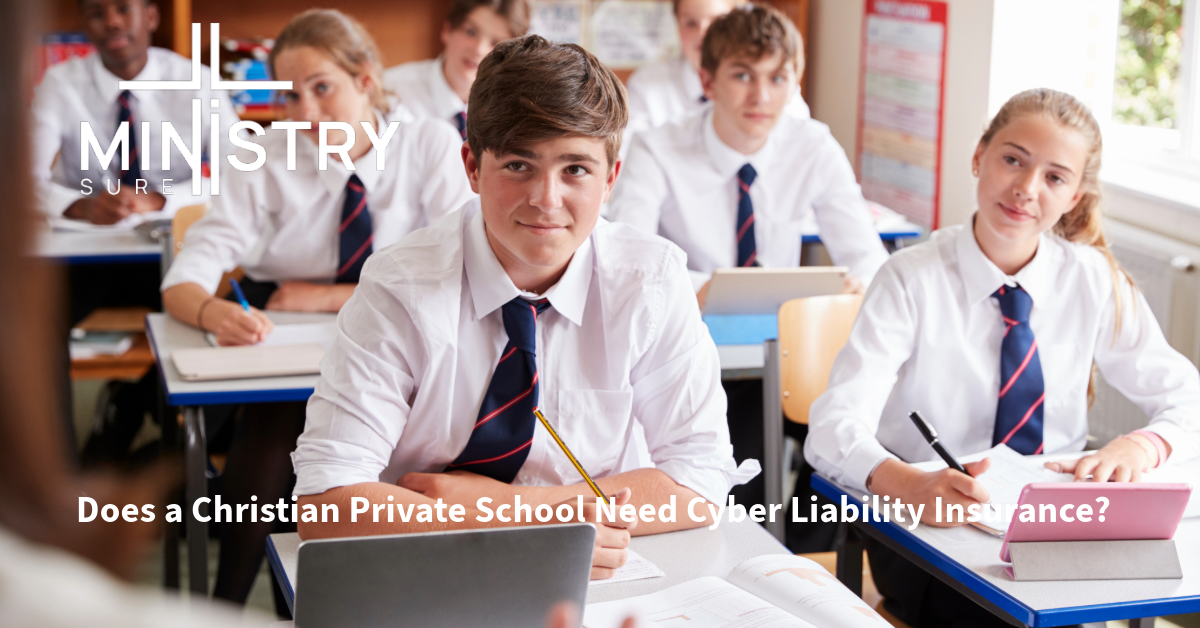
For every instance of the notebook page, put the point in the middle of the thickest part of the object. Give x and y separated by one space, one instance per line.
701 603
638 567
297 334
806 590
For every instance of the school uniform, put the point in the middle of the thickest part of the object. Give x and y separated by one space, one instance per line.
423 89
683 183
616 356
312 225
667 91
83 90
943 330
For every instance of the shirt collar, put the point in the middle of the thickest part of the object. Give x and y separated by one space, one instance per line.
727 160
443 94
491 287
107 83
981 277
335 176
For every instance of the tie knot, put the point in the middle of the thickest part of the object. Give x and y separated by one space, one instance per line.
124 97
355 184
520 322
1015 303
747 174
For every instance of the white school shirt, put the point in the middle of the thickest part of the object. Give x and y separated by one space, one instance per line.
83 90
668 91
680 181
283 225
928 338
627 372
423 89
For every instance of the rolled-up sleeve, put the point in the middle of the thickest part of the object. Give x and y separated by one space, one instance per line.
360 406
678 398
1141 365
843 421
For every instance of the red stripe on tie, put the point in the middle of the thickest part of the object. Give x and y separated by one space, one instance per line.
1001 290
354 186
1026 418
1009 320
527 444
1039 449
750 260
357 254
506 406
507 355
1020 369
354 214
745 188
745 226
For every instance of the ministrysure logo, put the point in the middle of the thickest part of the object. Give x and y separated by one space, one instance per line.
90 144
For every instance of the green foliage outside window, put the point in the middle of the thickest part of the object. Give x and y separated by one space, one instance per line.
1149 50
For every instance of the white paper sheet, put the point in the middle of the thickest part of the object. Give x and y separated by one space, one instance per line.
702 603
636 568
298 334
805 589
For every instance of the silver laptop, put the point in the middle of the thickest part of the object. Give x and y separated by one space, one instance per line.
493 578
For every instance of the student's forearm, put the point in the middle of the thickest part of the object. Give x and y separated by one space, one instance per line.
378 493
650 486
184 302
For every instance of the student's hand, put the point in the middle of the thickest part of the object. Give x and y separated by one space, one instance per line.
239 327
853 285
1122 460
457 487
148 202
101 209
900 479
702 296
612 537
566 615
304 296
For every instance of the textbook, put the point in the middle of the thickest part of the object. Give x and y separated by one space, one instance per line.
771 591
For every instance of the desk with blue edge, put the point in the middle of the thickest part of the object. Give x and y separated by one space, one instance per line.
968 561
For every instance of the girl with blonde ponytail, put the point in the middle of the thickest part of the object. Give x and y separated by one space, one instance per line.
990 329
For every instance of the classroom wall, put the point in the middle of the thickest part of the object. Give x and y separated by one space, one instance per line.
836 33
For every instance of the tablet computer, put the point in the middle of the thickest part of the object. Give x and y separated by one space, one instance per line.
1116 511
499 577
763 290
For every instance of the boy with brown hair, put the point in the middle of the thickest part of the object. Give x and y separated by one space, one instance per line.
439 88
524 299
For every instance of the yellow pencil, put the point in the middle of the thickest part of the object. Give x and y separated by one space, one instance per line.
578 467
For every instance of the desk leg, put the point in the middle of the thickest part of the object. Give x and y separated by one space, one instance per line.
1143 622
197 487
773 467
168 446
849 558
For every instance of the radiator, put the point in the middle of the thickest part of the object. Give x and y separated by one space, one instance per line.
1165 271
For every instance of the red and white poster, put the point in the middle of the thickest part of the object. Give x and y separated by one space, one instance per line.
901 96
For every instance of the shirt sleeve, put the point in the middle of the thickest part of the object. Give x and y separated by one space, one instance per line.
843 421
1140 364
843 217
443 185
639 112
641 189
678 398
47 140
359 408
219 241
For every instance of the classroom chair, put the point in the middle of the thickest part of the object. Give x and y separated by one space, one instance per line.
796 371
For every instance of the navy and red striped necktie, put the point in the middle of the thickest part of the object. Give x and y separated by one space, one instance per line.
1022 389
460 123
125 114
355 234
747 250
504 429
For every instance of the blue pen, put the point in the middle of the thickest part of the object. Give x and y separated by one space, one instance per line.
237 289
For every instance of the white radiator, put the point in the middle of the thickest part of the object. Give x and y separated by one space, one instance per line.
1165 271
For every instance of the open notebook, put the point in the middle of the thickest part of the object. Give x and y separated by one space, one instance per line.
1010 472
289 350
771 591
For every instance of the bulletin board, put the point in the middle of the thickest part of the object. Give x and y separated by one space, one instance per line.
901 98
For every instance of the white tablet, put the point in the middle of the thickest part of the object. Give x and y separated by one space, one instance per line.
764 290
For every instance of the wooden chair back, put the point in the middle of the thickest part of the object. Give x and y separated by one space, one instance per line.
811 333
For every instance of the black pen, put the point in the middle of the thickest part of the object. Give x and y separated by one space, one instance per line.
931 436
